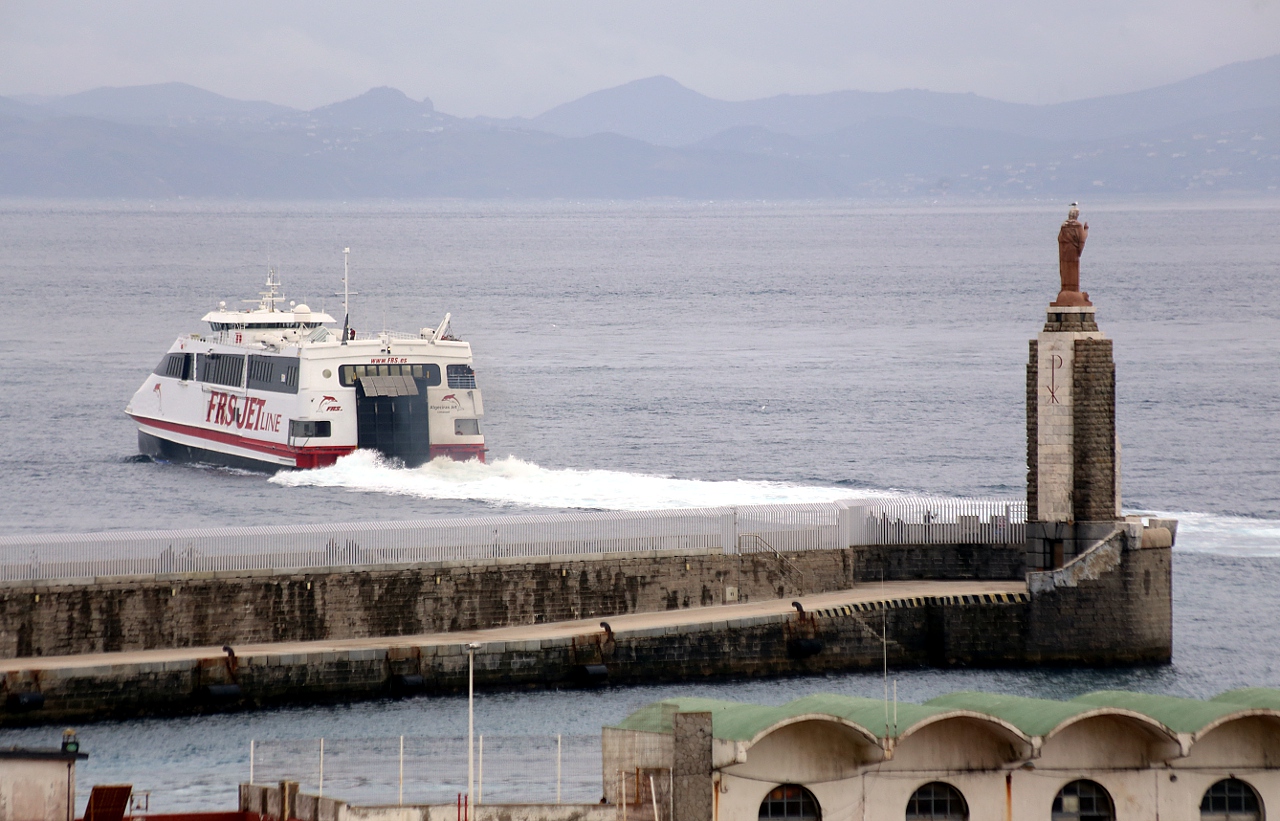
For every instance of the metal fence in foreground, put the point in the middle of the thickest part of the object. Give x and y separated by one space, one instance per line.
746 529
433 770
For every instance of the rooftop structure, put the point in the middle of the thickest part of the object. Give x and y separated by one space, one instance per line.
1104 755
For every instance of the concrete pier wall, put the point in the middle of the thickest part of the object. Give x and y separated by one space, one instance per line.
202 609
1111 609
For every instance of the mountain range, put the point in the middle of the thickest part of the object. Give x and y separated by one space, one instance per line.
1218 131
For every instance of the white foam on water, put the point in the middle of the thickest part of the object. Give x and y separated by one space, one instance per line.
1224 535
512 482
515 483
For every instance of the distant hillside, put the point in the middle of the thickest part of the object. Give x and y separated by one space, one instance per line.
168 104
652 138
660 110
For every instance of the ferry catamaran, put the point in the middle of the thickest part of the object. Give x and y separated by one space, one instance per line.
270 388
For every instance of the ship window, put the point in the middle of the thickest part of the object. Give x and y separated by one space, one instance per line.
220 368
466 427
461 376
175 365
273 373
1230 800
348 374
299 429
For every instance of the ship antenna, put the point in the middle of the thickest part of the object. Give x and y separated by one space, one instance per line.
272 295
347 293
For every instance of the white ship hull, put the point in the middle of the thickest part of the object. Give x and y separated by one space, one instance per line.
271 389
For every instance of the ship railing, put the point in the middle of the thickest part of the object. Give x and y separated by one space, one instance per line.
784 528
403 336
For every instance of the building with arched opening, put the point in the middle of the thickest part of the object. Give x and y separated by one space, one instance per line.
1106 756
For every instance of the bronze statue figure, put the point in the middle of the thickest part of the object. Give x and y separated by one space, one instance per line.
1070 245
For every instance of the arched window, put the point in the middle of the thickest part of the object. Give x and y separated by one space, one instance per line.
792 802
1230 800
1083 801
937 801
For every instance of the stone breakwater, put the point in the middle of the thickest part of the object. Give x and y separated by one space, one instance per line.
248 607
1112 607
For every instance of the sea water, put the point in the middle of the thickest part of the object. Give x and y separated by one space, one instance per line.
648 355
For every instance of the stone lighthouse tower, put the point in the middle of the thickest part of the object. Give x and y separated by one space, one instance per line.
1073 455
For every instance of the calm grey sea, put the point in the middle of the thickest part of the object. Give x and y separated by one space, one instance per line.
651 354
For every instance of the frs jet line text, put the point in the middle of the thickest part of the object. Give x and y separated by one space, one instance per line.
241 412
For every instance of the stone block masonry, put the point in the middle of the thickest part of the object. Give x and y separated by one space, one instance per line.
1110 607
1096 497
873 563
248 607
1073 459
691 769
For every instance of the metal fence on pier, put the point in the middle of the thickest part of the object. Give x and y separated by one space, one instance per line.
745 529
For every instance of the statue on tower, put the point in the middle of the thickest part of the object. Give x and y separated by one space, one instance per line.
1070 245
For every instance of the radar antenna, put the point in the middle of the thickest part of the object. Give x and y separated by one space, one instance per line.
272 295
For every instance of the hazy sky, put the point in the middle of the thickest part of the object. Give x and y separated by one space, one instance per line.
506 57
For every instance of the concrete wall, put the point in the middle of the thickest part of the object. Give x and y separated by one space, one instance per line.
1111 607
36 790
267 801
1115 605
212 609
1145 776
871 563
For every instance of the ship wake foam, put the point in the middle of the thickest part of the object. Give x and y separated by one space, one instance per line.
512 482
1225 535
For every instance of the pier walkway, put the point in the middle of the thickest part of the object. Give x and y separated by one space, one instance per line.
621 625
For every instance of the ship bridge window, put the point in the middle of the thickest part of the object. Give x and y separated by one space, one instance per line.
299 429
220 368
461 376
348 374
175 365
273 373
262 326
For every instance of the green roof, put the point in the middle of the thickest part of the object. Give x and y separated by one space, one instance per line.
1182 715
1252 697
736 721
1033 716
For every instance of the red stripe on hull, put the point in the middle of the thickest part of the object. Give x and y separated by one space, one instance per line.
309 457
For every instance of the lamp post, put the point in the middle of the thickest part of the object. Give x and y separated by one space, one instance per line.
471 723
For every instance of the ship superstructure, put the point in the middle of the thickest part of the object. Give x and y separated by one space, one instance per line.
271 388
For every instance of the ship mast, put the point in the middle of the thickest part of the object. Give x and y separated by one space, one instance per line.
347 293
272 295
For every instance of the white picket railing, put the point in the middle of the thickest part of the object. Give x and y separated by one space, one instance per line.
780 528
